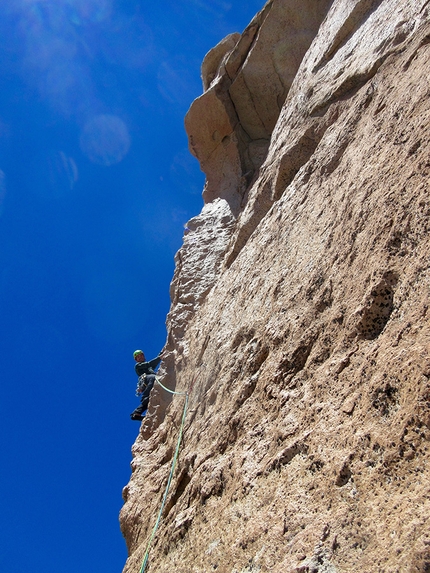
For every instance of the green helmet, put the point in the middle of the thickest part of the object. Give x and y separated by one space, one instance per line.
136 353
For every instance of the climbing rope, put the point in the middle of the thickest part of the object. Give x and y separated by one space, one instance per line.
169 481
170 391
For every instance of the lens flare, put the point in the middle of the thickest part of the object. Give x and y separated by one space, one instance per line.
105 140
57 43
62 173
176 83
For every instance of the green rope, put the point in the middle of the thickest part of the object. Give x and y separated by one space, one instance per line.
170 391
169 481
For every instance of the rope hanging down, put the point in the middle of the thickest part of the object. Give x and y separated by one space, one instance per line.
170 391
169 481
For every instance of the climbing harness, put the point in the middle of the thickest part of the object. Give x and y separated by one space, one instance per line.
141 385
172 469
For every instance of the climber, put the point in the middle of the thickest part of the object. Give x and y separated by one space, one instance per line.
145 371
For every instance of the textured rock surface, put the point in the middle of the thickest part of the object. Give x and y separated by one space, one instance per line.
301 300
246 80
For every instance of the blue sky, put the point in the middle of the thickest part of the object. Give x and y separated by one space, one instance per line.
96 183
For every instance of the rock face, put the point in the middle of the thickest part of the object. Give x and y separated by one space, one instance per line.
246 80
300 306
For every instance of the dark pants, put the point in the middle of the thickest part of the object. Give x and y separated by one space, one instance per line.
138 413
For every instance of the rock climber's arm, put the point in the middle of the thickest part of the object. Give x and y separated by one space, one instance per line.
154 362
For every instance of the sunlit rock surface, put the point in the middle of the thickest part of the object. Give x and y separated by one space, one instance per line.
246 80
300 302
